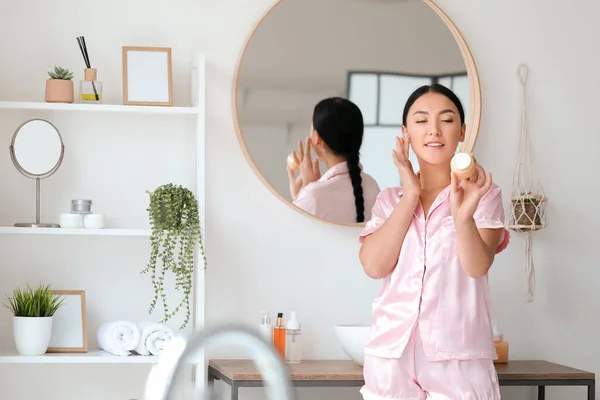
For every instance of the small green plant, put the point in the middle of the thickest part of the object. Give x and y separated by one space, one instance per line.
174 219
61 73
34 302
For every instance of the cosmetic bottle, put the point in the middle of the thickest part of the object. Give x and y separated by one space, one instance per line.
293 342
279 335
462 165
266 328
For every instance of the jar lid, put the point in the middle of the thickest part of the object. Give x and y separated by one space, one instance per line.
81 202
70 216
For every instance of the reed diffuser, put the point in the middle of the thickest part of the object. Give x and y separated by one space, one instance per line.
90 88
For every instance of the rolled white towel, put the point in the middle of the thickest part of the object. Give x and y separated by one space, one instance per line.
118 337
154 338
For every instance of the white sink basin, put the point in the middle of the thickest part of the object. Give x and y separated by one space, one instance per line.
353 339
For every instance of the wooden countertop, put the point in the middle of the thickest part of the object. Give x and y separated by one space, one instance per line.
347 370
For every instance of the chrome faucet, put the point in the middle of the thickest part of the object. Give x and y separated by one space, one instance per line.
160 381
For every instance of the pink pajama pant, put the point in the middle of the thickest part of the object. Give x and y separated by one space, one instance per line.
413 377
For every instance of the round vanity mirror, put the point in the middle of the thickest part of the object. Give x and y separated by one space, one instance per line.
37 151
306 58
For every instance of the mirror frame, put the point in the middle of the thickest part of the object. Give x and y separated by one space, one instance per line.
473 123
18 165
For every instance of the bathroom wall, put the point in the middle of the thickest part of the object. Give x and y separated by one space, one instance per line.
264 255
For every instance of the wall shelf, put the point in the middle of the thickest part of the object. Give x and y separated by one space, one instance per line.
30 105
91 357
78 231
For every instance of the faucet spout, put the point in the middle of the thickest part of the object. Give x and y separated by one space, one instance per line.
160 381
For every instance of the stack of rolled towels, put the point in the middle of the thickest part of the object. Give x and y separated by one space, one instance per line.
124 338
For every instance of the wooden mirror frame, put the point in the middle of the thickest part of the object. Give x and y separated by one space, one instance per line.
473 122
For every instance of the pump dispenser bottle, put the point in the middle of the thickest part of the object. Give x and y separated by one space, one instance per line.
266 328
293 342
279 335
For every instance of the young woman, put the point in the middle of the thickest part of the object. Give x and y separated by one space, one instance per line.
344 194
432 241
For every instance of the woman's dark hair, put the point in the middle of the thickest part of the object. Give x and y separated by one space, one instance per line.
433 88
339 122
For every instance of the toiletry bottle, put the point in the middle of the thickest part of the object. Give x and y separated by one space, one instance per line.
266 328
279 335
462 165
293 342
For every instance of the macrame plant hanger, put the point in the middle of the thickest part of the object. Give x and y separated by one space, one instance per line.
527 207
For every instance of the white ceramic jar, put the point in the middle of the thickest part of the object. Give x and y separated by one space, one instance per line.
70 221
93 221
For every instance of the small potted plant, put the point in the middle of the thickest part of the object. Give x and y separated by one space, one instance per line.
59 88
527 211
175 223
33 312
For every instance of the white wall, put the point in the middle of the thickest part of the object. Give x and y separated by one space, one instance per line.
298 263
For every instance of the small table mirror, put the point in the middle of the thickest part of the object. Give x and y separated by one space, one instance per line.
37 151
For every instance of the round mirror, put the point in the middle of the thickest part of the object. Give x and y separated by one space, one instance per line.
372 53
37 151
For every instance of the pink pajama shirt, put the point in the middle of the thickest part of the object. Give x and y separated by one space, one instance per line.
431 332
331 197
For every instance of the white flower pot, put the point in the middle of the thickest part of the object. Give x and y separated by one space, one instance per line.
32 335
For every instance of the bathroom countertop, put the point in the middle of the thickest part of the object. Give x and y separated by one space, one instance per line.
346 370
307 370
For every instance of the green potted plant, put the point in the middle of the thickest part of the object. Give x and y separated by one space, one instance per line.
527 211
175 225
33 312
59 88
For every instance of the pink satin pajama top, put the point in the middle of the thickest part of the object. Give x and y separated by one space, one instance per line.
332 196
428 284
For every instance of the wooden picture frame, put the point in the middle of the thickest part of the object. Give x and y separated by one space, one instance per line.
147 76
69 327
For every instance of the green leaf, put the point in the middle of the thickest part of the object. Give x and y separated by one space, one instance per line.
34 302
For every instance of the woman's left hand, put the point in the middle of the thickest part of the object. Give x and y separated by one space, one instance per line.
466 193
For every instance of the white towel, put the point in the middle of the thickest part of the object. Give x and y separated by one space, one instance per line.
118 337
154 338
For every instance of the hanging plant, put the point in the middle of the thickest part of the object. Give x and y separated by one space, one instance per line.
175 224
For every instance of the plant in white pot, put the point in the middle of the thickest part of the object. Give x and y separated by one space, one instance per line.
33 312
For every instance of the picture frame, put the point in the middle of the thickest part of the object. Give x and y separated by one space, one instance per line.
69 325
147 76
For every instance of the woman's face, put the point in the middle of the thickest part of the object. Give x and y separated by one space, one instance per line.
434 126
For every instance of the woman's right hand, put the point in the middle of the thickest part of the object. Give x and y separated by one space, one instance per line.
410 181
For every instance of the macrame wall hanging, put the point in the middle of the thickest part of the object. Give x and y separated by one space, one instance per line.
527 207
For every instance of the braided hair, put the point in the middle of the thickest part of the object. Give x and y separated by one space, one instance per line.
339 123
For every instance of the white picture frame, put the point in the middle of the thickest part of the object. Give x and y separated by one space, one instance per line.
69 326
147 76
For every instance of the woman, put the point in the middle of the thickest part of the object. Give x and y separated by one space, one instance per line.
432 241
344 194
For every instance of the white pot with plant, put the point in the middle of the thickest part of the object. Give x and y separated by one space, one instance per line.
33 311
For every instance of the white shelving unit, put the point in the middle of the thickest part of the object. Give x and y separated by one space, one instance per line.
113 108
81 231
91 357
196 111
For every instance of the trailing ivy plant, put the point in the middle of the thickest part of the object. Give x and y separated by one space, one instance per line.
175 224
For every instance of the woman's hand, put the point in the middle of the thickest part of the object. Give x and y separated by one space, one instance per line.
410 181
309 169
466 193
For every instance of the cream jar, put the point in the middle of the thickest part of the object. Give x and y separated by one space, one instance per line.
70 220
81 206
462 165
93 221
